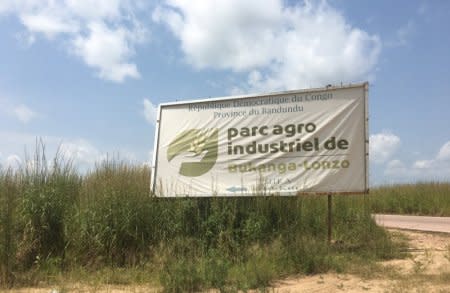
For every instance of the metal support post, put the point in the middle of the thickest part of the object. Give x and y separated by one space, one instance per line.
330 223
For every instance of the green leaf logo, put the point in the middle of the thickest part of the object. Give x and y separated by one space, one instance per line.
201 142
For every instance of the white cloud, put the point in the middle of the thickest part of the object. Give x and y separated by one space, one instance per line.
395 169
25 39
85 155
49 25
382 146
7 6
395 164
402 35
96 9
107 50
149 161
81 151
150 111
24 113
434 169
13 162
444 152
21 112
103 33
423 164
280 46
224 33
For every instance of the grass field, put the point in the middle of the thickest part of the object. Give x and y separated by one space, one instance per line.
105 227
431 198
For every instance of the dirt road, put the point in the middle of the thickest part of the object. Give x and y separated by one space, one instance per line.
433 224
427 269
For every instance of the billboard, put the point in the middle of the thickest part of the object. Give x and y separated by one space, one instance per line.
286 143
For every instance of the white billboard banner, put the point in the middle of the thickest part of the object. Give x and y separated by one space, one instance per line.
307 141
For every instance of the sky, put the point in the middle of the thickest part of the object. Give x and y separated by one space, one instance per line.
86 76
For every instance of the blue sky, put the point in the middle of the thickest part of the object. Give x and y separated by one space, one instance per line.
87 75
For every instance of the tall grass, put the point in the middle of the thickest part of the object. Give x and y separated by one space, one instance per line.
114 216
56 221
8 203
48 192
431 198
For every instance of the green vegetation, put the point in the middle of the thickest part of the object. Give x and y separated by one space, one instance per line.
431 199
104 226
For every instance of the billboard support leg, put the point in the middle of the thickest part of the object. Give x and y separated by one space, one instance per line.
329 219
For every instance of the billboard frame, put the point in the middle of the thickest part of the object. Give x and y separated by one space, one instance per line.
364 85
